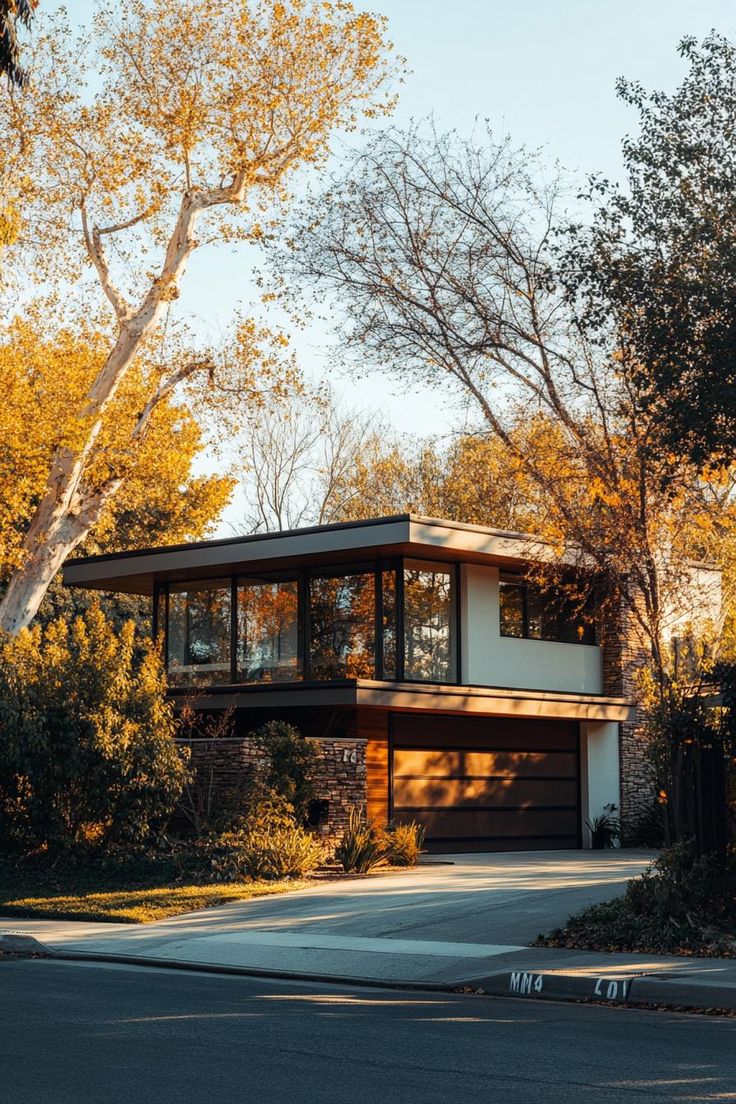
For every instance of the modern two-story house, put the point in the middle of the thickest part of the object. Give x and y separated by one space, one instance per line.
439 684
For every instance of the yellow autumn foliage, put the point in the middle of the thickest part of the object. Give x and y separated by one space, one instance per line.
161 129
42 384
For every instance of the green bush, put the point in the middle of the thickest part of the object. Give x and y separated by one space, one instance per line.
679 905
289 762
270 844
404 844
362 847
88 760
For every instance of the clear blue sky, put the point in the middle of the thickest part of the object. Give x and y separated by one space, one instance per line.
542 70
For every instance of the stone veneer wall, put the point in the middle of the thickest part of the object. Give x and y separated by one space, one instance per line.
340 778
623 657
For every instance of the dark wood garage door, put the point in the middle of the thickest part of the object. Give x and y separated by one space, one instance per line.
487 784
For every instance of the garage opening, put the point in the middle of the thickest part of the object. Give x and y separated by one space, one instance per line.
487 783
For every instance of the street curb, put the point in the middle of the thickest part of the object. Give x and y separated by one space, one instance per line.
631 991
233 971
20 943
536 985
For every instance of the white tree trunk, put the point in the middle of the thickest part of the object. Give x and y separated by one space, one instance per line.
68 510
29 583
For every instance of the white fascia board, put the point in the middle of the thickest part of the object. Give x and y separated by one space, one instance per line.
236 553
478 540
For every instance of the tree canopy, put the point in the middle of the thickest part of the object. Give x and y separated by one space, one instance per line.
656 270
185 127
439 259
42 381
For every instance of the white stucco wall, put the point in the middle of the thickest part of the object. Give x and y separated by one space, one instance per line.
696 604
599 770
488 659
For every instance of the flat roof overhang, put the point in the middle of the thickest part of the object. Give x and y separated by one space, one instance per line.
137 572
421 697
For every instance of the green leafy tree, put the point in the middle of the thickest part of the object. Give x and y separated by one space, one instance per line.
288 765
88 759
656 271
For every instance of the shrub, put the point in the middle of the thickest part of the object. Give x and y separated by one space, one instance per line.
649 830
362 847
208 807
270 844
88 759
674 907
404 844
289 763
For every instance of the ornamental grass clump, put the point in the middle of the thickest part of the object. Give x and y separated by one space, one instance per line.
362 847
404 843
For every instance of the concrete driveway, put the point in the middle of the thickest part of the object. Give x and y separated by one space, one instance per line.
442 921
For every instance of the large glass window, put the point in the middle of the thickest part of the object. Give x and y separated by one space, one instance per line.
529 612
389 663
268 630
388 621
429 622
342 620
199 633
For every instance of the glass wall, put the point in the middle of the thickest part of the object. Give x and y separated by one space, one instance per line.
388 621
429 622
342 626
198 648
268 630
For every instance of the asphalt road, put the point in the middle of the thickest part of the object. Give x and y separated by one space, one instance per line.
92 1034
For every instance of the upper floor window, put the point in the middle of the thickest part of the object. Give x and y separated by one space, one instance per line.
529 613
389 621
429 622
199 632
268 630
342 626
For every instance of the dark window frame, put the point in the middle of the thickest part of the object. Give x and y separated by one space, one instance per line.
377 567
454 571
342 573
589 637
163 590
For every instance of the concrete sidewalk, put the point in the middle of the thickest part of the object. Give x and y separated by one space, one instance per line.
463 921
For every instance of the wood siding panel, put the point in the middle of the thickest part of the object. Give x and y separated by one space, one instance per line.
373 727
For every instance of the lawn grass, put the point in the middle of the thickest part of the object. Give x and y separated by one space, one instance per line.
139 906
86 896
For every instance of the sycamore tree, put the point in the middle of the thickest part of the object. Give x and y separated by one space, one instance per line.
42 384
193 119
